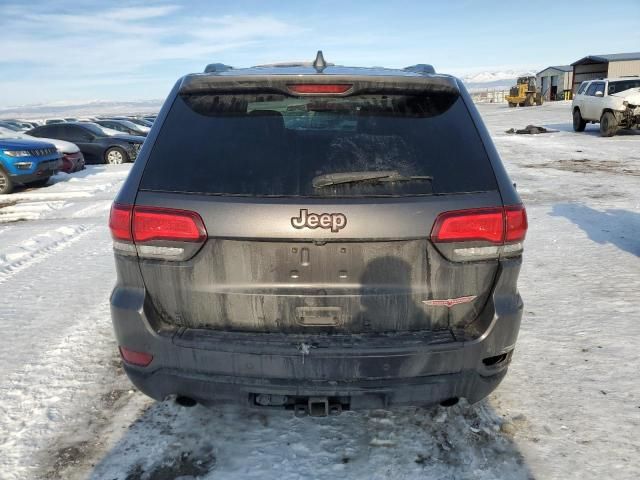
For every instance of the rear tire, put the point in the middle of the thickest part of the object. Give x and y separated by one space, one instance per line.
578 122
6 184
539 99
115 156
528 101
608 124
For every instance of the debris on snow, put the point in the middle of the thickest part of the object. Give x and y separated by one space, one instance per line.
531 130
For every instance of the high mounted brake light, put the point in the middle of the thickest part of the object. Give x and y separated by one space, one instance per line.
494 231
319 88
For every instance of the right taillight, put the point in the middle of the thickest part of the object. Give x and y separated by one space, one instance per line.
515 223
480 234
155 232
482 224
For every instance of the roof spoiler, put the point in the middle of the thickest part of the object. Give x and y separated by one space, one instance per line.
421 69
217 68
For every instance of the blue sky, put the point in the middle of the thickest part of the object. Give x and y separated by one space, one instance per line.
61 50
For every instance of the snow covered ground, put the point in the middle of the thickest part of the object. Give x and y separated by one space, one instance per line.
568 409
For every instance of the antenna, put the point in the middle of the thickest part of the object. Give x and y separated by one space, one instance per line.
319 64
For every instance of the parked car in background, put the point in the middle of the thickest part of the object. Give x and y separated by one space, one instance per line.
97 144
328 241
138 121
19 124
26 162
614 103
124 126
72 158
9 125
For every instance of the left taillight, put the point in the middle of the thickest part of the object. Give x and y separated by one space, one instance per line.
151 223
120 222
155 232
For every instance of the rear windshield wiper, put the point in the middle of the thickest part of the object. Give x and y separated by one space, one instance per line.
328 179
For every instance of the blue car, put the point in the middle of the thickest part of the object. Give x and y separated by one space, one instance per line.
26 162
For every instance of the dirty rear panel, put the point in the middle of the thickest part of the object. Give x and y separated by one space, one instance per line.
298 284
284 256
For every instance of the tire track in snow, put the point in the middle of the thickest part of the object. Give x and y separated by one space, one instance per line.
57 391
16 258
61 359
93 210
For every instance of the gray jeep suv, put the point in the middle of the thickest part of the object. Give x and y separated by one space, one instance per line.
317 238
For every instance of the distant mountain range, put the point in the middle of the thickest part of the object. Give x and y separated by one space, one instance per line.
498 79
81 109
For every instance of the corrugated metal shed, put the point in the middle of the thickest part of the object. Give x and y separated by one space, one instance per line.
605 66
554 80
610 57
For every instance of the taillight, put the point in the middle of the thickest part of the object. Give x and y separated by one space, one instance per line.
141 359
151 223
120 222
516 223
155 232
316 88
486 224
476 234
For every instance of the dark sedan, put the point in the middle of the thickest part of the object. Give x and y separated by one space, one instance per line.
124 126
97 144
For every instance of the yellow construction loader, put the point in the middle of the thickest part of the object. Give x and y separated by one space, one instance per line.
525 93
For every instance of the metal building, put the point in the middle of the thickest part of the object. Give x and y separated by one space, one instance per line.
555 82
605 66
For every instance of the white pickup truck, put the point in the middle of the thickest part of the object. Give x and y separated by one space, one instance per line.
612 102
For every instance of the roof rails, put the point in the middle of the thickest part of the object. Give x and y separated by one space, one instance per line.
217 68
421 69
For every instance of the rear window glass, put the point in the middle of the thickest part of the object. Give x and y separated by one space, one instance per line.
276 145
621 86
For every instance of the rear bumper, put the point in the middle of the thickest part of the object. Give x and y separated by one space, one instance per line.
363 371
418 391
72 163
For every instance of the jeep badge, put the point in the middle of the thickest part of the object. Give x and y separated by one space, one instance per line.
333 221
